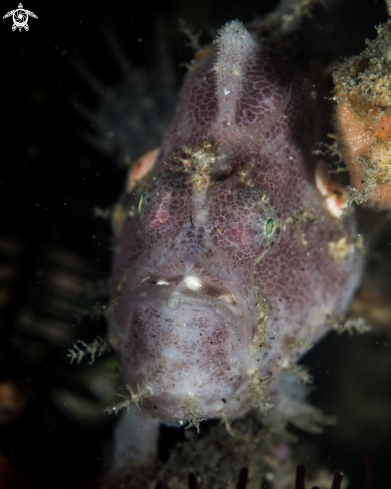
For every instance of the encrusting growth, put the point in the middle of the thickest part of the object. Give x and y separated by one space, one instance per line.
363 119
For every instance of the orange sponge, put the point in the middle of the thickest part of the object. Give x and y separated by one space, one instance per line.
363 119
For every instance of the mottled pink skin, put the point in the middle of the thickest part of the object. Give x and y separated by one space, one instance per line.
217 232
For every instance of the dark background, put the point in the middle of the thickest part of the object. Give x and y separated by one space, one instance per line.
51 179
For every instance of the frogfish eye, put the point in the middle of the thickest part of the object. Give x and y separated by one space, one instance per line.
270 227
140 204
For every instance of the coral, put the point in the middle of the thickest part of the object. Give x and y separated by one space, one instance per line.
216 459
363 119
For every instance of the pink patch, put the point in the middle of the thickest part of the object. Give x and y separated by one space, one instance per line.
162 213
280 451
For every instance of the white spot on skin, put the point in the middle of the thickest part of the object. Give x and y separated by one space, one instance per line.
228 298
192 282
285 363
162 282
226 92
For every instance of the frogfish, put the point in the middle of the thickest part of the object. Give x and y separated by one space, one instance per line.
233 253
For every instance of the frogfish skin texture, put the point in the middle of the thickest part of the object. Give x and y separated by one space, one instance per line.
228 265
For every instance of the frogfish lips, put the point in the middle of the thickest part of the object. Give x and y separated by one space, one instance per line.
182 339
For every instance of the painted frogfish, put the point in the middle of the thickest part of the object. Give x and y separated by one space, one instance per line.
233 254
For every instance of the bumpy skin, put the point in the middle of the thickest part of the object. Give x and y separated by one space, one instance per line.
223 272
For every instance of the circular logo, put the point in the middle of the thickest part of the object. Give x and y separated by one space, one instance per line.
20 19
20 16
